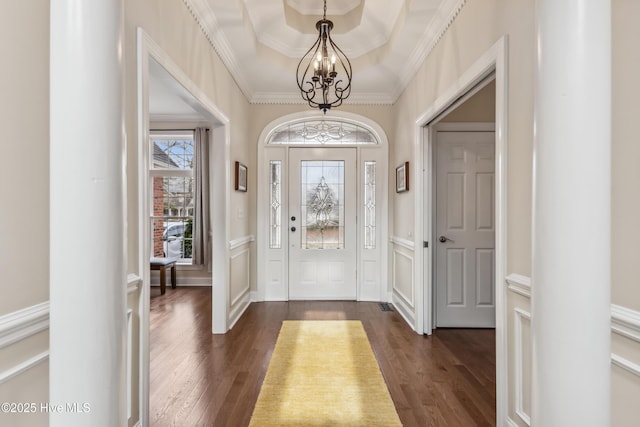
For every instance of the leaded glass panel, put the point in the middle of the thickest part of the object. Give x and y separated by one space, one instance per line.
322 204
370 205
323 132
275 187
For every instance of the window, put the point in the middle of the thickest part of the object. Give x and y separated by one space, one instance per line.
173 191
275 182
322 198
322 132
370 205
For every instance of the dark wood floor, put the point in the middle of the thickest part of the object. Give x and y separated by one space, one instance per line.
200 379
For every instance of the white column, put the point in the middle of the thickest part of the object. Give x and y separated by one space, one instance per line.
571 215
87 244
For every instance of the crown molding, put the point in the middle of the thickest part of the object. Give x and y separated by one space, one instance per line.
206 20
295 98
448 12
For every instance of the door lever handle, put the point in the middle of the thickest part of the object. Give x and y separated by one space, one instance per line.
443 239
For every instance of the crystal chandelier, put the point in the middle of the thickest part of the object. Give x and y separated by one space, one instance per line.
319 82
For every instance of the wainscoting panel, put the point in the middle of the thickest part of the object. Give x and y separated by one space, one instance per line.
239 277
402 278
625 357
134 332
522 326
24 362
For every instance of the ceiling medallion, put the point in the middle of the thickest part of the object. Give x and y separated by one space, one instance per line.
324 72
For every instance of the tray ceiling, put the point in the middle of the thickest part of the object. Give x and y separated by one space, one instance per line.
261 41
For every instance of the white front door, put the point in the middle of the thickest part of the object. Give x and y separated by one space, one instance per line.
465 229
322 223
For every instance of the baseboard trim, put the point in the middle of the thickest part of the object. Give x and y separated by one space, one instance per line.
23 323
511 423
404 311
244 301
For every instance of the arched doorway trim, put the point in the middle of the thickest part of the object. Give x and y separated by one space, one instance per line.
369 141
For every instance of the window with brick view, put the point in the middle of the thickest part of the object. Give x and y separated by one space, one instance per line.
173 189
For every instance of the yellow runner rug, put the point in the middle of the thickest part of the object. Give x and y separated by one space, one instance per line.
323 373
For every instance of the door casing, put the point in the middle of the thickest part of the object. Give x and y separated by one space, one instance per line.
372 264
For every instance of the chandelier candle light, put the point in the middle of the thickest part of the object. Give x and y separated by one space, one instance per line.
318 80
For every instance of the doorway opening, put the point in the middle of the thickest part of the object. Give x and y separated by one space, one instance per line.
462 145
322 217
491 66
167 99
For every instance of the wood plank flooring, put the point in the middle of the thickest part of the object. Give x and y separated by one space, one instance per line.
200 379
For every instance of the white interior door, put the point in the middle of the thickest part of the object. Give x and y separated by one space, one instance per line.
465 229
322 223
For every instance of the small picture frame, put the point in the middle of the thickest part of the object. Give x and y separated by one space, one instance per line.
402 178
241 177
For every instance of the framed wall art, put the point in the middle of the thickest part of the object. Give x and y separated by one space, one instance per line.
402 178
241 177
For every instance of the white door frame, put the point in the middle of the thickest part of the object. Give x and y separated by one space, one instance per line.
220 200
272 264
493 60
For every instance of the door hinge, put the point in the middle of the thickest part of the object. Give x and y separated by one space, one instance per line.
425 244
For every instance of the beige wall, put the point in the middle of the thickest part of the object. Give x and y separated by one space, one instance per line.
24 209
480 108
626 153
625 207
24 112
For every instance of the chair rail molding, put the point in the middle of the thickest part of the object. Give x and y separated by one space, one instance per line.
407 244
241 241
519 284
133 283
625 322
23 323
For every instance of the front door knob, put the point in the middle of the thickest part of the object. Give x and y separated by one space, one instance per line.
443 239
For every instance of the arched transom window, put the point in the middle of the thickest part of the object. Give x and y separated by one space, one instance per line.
324 132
